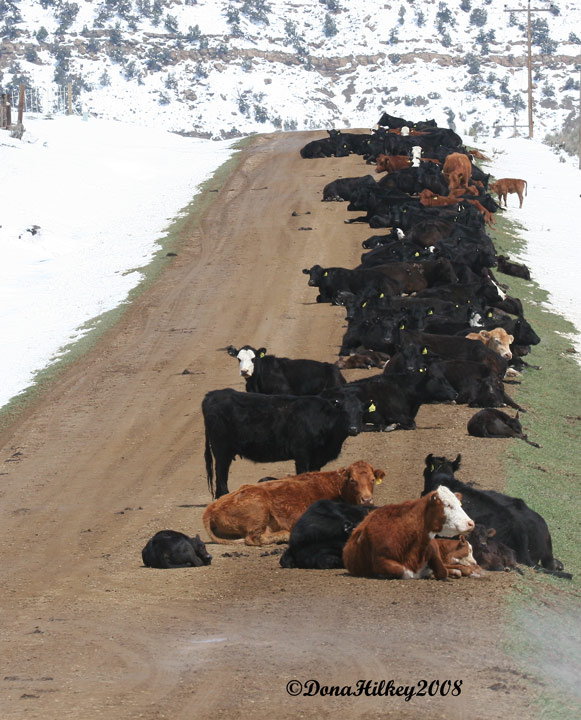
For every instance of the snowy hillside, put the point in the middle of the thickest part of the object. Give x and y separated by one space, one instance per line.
220 68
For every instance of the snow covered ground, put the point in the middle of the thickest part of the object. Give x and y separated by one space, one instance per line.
102 193
551 216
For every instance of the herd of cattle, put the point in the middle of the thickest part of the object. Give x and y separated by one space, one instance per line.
424 307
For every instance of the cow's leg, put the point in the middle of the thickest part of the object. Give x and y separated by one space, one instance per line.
435 561
223 462
268 537
520 198
386 567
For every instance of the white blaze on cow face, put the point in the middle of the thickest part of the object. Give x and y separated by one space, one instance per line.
405 131
455 519
246 362
475 320
499 290
400 233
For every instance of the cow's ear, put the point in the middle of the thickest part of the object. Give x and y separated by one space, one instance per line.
306 272
459 496
456 463
379 475
428 460
261 352
484 334
511 339
231 350
491 532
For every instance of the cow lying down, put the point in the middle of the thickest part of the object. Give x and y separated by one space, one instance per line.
493 423
172 549
265 513
319 536
397 541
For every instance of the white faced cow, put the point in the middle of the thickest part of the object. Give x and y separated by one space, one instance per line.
272 375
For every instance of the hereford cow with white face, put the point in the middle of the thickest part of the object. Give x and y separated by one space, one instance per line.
398 541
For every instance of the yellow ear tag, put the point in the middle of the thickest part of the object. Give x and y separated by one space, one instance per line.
262 354
457 306
371 407
379 481
364 304
325 274
435 197
468 301
430 312
381 295
422 370
489 314
425 351
416 254
432 467
402 327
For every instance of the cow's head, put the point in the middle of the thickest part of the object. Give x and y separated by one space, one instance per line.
316 274
247 357
498 340
200 549
439 470
444 514
349 405
359 480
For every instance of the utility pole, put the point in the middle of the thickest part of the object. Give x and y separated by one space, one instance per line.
579 121
528 11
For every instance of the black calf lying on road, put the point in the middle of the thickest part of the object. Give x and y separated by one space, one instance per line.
172 549
492 423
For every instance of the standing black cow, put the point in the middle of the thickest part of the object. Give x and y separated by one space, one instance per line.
266 428
272 375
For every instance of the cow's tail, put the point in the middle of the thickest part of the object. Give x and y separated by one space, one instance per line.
209 464
526 185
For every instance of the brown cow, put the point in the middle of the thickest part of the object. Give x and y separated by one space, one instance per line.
457 170
266 513
458 558
497 339
397 541
391 163
504 186
430 199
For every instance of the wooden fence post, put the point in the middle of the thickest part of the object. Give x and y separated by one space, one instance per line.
21 104
70 99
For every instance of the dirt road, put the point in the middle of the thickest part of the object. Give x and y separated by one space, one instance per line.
113 452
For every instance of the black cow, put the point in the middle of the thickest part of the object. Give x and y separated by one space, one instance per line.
272 375
332 280
509 267
326 147
266 428
392 401
344 188
452 347
519 527
491 554
491 423
318 537
172 549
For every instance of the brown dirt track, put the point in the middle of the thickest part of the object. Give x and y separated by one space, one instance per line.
113 451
